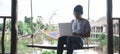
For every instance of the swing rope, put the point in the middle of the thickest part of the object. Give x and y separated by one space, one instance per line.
88 9
31 19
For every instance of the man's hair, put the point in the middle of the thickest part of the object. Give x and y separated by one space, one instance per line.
78 9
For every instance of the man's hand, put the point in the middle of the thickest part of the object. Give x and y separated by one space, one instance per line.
75 34
87 34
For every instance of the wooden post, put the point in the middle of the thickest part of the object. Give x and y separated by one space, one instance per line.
110 28
14 28
119 35
3 34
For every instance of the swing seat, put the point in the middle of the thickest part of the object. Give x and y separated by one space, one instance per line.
54 47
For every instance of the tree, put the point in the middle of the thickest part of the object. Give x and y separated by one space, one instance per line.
23 28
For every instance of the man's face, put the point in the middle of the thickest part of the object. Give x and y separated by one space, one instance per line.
77 15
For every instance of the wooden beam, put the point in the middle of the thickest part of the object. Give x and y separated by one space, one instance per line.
110 28
115 18
14 32
5 17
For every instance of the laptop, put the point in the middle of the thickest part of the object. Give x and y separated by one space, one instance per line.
65 29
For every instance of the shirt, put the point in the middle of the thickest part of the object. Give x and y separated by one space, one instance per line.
80 27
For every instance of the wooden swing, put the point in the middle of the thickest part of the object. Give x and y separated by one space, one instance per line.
54 47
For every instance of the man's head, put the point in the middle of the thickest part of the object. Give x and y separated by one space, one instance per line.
78 11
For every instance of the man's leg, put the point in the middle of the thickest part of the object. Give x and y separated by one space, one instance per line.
73 42
70 45
61 42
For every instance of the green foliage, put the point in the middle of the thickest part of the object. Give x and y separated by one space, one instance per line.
34 27
27 27
23 28
40 24
29 23
102 38
8 25
22 46
28 20
53 42
50 27
1 27
49 52
0 42
6 44
115 43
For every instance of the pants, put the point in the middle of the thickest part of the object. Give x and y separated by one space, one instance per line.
70 42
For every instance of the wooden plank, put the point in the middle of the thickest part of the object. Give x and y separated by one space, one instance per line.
54 47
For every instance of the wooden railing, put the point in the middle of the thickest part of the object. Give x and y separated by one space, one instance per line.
119 30
3 32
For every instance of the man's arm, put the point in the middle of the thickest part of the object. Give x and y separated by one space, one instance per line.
87 30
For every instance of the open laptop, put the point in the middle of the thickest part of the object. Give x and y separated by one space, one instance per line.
65 29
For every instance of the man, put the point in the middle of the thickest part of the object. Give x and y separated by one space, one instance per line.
80 29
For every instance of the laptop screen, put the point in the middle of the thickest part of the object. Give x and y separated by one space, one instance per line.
65 29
